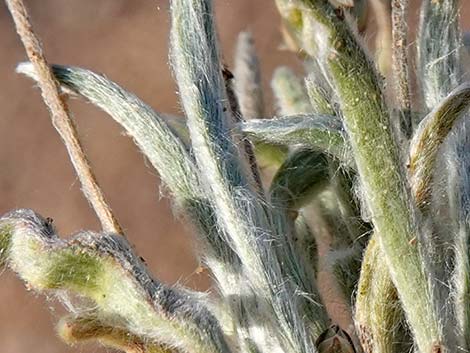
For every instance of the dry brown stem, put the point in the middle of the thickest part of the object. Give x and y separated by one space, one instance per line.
400 61
61 118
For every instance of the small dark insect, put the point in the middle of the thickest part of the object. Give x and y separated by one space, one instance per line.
335 339
339 12
228 75
48 223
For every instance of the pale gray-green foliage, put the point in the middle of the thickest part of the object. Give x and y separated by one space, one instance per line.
103 269
290 93
424 152
428 137
459 201
370 132
319 95
163 149
439 49
323 132
153 135
341 171
304 174
244 219
248 78
376 146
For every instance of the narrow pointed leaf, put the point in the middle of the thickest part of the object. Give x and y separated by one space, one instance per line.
154 134
458 164
75 329
302 177
248 78
289 91
240 212
429 137
439 46
321 132
155 138
104 269
379 317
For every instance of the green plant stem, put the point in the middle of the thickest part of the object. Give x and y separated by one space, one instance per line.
375 150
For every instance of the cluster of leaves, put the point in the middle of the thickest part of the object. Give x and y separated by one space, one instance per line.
342 225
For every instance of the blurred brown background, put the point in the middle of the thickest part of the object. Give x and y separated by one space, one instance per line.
128 41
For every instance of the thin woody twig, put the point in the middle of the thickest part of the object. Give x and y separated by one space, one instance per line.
400 62
60 117
383 41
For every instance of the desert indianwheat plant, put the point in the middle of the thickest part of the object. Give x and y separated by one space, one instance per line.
341 225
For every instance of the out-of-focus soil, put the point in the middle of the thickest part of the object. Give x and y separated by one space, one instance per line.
128 41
